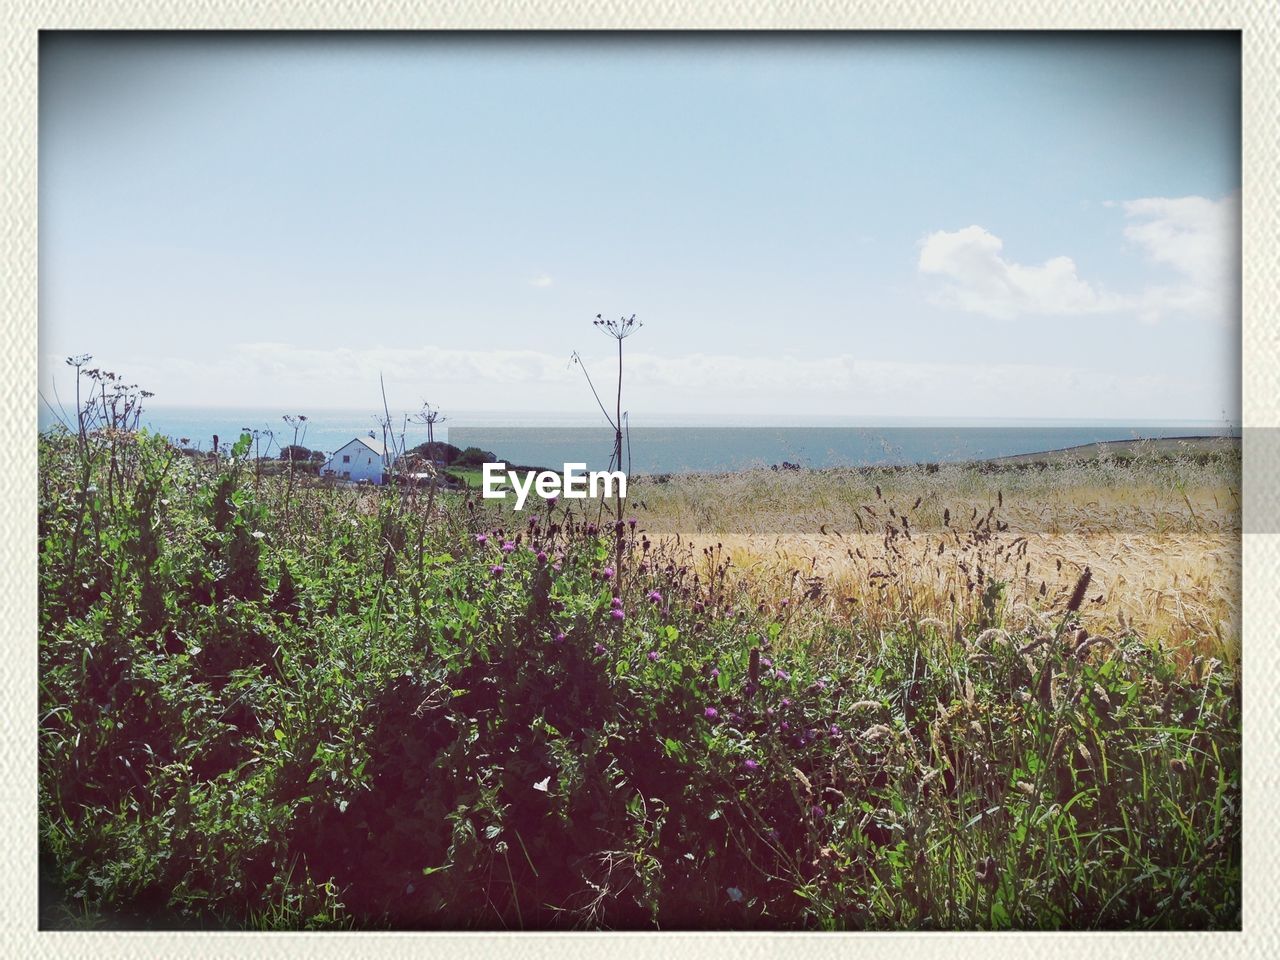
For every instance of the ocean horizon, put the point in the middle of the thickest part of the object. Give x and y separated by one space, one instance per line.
673 443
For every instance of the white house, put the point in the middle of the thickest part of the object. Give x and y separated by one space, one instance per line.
361 458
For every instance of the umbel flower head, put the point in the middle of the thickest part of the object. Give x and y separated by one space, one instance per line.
619 329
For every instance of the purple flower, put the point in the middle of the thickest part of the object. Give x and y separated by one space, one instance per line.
542 556
653 655
821 684
698 606
608 573
786 701
784 602
551 500
632 522
591 529
835 730
616 603
715 672
617 614
766 662
784 726
508 546
533 521
655 597
782 674
817 811
750 765
711 713
599 648
560 637
496 570
481 539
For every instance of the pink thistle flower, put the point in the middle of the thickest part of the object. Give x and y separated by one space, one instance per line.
481 539
560 637
496 569
508 547
655 597
711 713
608 573
653 656
751 766
618 614
599 648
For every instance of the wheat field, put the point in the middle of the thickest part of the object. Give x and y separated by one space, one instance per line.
1159 535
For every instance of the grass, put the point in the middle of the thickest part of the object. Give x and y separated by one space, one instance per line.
290 705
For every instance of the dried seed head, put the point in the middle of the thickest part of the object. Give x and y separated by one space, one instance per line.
1077 595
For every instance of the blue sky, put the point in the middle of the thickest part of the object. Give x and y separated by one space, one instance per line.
1042 225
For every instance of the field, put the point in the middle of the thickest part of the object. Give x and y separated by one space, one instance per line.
964 698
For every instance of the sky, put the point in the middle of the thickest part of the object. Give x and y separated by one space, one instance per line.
1036 225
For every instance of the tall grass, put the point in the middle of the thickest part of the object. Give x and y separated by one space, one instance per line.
272 702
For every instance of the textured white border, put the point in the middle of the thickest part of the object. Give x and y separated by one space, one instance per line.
22 19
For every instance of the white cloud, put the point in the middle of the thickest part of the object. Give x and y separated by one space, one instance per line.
293 378
978 279
1195 239
1199 241
542 280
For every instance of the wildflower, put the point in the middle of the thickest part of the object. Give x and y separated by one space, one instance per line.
784 602
599 648
821 684
496 569
653 656
786 701
616 603
715 673
631 522
750 765
698 606
481 539
542 556
655 597
258 534
560 637
618 614
817 811
591 529
782 674
784 726
551 500
508 546
608 573
835 730
711 713
766 662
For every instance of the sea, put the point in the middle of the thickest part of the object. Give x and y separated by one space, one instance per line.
671 443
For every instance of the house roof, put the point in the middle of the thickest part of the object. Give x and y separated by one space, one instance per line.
372 444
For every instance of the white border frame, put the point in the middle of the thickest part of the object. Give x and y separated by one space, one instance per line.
23 19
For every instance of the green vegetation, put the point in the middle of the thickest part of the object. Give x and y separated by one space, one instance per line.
272 702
